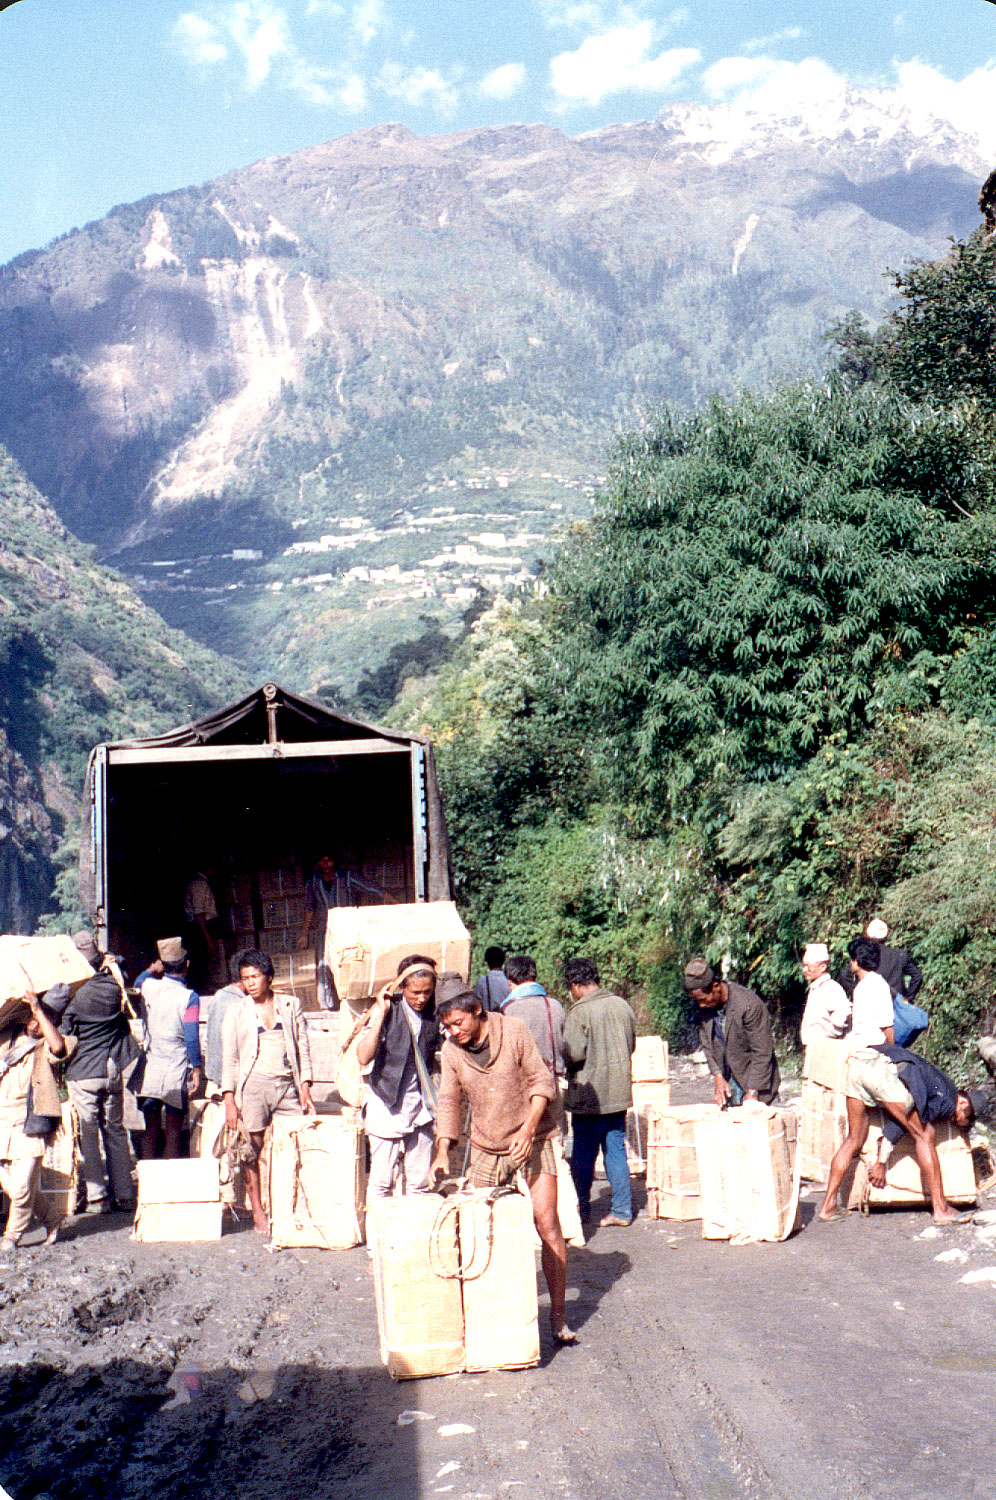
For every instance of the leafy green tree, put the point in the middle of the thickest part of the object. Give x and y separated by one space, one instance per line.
940 344
757 574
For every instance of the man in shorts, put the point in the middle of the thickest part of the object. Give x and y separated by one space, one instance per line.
913 1095
265 1063
493 1062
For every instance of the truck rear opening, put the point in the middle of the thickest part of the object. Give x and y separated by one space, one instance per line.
250 797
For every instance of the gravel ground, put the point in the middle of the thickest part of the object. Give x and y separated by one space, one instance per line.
853 1360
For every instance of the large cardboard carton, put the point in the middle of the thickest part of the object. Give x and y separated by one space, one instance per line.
749 1190
649 1063
822 1128
672 1165
37 964
500 1310
904 1183
419 1300
455 1283
364 944
826 1063
646 1098
317 1181
178 1200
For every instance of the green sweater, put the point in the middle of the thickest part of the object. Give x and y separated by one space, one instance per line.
599 1038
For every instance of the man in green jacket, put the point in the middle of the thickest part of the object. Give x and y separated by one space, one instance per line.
599 1038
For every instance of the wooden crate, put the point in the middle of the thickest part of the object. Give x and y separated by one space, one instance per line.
672 1166
748 1188
178 1200
826 1063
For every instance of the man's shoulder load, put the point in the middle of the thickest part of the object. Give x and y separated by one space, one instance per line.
455 1283
364 944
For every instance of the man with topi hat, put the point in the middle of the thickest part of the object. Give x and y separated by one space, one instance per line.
828 1009
170 1069
894 964
735 1035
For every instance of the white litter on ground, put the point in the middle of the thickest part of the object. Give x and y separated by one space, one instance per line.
956 1255
929 1234
984 1273
406 1418
455 1429
450 1468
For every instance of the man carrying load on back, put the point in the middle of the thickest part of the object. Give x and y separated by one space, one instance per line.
493 1062
913 1095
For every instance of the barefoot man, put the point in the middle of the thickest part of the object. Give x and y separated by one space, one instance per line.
912 1095
493 1062
265 1063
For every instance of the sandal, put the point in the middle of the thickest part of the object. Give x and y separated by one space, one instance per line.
838 1215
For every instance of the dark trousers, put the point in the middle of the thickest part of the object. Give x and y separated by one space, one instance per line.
605 1133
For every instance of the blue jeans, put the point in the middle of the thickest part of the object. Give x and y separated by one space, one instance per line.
605 1133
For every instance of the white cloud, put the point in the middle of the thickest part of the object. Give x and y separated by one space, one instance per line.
419 86
368 20
616 62
503 82
593 16
261 33
764 43
353 94
199 40
965 103
770 85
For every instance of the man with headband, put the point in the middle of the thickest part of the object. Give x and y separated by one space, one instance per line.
397 1051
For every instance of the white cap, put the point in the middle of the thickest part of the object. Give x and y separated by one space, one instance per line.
877 930
816 953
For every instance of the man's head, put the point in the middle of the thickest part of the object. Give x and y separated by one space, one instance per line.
877 930
463 1018
256 973
815 960
417 980
703 985
86 945
582 976
520 969
973 1104
494 957
173 955
325 866
865 955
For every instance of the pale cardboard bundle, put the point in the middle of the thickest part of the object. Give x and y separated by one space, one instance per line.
649 1063
317 1181
826 1063
455 1283
36 964
822 1128
60 1165
364 944
672 1165
294 974
749 1190
646 1097
903 1181
178 1200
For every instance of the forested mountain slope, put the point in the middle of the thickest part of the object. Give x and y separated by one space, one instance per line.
82 659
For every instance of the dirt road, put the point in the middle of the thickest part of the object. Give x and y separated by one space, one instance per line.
851 1361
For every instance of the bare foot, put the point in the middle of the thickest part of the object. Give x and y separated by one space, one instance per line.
563 1335
261 1223
53 1233
954 1217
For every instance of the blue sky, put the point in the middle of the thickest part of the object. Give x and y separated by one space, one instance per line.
105 101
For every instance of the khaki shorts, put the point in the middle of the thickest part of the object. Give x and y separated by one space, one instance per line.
488 1170
262 1098
873 1079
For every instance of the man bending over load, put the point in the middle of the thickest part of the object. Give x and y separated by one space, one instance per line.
265 1063
913 1095
493 1062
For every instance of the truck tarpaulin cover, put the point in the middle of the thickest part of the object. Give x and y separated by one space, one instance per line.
271 714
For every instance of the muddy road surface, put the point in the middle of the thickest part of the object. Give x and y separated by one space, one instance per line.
853 1360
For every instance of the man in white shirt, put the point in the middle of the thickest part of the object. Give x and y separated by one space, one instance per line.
828 1009
872 1014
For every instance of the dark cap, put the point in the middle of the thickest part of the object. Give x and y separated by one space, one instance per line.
86 945
449 985
698 975
982 1103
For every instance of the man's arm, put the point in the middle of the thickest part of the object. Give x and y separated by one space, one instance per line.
54 1040
304 1060
448 1102
521 1143
369 1040
575 1043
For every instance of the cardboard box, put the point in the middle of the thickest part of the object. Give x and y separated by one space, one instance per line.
672 1166
748 1188
904 1183
364 944
649 1063
821 1130
826 1063
285 880
317 1181
500 1309
37 964
178 1200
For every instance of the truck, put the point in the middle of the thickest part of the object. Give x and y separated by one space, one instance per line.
249 798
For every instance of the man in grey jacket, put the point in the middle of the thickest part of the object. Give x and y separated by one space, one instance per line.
735 1035
599 1039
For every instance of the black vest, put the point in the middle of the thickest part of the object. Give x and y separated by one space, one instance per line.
394 1050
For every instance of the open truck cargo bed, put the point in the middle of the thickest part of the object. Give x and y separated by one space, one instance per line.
250 796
